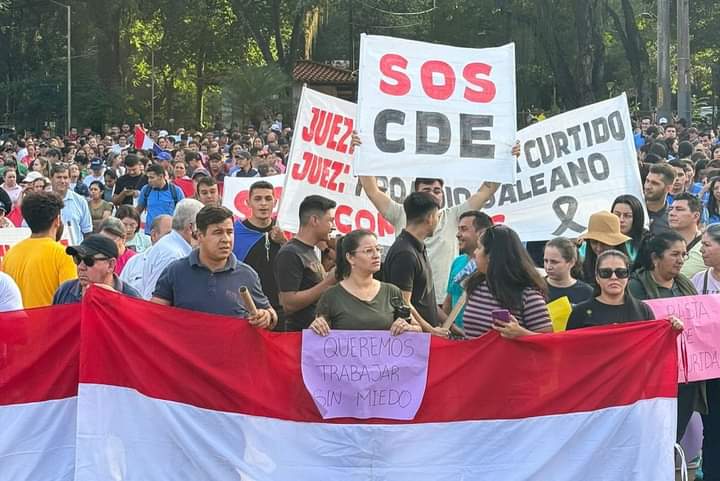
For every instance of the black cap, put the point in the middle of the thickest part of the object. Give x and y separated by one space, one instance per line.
94 244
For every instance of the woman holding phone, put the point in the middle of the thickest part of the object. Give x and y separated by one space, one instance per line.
506 293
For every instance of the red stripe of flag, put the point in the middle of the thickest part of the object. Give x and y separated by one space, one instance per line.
223 364
39 354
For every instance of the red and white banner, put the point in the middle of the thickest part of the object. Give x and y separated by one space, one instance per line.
320 162
39 362
168 394
430 110
236 192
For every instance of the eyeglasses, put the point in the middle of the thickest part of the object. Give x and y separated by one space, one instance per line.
89 261
606 273
679 254
369 251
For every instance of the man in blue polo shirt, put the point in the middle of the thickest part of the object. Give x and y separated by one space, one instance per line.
210 278
158 196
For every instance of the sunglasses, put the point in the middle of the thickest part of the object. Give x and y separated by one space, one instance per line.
89 261
620 273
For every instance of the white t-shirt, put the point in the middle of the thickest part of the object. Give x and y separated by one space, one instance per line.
442 247
10 297
713 285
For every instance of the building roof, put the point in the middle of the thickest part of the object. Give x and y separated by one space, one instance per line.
311 72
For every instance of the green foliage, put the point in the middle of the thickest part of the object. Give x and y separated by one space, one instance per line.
567 52
255 92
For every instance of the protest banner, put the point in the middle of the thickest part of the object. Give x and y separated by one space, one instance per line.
571 166
319 163
365 374
237 190
699 342
430 110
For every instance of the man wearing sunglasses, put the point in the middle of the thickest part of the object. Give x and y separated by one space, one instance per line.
95 259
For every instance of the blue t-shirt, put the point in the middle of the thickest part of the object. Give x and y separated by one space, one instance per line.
159 202
454 289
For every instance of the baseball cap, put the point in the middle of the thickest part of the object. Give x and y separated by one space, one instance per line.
92 245
163 156
662 121
32 177
112 225
96 164
200 171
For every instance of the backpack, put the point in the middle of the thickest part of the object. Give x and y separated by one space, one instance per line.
173 193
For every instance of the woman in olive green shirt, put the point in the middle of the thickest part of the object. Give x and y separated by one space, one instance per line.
358 301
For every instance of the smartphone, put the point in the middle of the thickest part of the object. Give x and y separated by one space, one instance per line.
501 315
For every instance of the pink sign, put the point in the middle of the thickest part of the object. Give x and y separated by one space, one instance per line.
366 374
700 341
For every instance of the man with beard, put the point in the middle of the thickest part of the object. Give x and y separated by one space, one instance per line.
39 264
471 226
658 184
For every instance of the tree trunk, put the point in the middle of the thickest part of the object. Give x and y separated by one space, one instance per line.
635 51
585 64
108 15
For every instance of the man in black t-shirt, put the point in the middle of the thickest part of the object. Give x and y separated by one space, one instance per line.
128 186
258 239
407 265
299 274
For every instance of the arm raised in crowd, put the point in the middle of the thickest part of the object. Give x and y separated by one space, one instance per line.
380 199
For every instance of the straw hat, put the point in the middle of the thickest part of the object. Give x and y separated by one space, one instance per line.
604 227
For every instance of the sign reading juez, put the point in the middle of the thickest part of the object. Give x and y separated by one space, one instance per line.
428 110
365 374
319 163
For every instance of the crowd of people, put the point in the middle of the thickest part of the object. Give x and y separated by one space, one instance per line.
150 224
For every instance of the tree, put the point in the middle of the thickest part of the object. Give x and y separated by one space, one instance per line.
255 92
278 27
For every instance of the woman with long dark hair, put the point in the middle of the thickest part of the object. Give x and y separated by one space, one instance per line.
657 275
506 293
631 214
358 300
713 203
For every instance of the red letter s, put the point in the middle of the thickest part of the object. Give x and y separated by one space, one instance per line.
486 92
388 65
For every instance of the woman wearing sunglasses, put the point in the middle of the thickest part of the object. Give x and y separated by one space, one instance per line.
358 300
611 303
